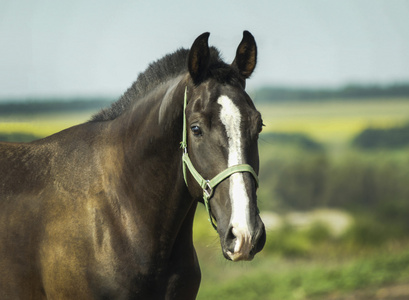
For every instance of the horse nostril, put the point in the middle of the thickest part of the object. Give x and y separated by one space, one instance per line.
230 235
230 240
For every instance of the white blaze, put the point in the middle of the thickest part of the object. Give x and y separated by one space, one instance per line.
231 119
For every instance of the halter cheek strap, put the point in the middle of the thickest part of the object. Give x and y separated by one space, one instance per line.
208 185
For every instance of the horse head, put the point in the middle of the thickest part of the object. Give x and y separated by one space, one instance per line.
222 129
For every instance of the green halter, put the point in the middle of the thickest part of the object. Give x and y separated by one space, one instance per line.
208 185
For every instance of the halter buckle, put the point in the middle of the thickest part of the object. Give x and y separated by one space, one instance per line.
208 190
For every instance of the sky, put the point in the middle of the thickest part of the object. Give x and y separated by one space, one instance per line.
56 48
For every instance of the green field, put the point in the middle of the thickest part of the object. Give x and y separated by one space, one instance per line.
311 165
334 121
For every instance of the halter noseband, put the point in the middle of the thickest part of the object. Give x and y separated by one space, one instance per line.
208 185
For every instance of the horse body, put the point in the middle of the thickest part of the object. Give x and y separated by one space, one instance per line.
101 210
76 208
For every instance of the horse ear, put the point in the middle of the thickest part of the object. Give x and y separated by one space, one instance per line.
199 57
246 55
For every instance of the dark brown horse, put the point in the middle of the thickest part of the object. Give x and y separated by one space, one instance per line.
102 211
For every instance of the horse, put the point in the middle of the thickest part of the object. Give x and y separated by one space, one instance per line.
104 209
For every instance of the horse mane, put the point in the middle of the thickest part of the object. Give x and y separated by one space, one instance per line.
170 66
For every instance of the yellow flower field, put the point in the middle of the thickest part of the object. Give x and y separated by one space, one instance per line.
42 124
334 121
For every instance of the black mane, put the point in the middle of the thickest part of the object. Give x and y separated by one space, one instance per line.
158 72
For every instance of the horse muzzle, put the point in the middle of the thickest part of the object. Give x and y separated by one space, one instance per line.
241 244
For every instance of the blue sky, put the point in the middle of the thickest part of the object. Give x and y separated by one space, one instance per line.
98 47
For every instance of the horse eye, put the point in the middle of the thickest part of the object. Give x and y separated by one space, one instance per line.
196 130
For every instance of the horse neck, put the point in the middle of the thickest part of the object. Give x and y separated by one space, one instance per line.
149 138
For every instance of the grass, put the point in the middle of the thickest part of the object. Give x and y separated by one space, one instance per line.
300 279
307 264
